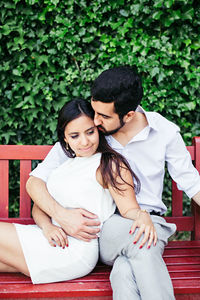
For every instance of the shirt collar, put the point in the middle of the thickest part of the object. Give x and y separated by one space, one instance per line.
150 117
141 135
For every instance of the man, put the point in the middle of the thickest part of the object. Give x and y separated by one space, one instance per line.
147 140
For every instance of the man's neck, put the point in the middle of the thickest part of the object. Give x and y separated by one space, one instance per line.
131 128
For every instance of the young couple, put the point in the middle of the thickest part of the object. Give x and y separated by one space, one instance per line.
76 184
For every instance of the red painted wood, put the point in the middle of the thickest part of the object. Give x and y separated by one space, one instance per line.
25 200
4 192
24 151
195 207
177 201
18 220
183 223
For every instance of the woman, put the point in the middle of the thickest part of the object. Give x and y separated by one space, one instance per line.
91 178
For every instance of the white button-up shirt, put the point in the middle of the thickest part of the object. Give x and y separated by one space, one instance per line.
158 143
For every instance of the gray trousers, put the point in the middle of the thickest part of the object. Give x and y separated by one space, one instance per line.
136 273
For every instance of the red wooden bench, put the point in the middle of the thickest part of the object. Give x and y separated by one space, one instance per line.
182 257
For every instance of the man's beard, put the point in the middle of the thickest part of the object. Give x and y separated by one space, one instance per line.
111 131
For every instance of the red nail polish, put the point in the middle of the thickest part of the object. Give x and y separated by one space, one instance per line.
134 242
67 245
140 247
130 231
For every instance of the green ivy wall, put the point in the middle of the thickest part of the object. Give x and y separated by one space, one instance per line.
52 50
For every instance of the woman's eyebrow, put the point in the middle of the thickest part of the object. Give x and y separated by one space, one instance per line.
90 128
77 132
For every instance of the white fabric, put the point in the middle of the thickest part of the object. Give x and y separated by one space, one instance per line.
147 153
73 185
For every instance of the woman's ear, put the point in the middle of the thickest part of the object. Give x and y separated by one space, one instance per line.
129 116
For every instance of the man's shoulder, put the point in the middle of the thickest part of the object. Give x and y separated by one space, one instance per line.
161 123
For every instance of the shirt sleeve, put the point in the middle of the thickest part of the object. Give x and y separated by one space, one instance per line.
180 166
54 158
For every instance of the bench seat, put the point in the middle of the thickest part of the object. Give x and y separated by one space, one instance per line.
182 259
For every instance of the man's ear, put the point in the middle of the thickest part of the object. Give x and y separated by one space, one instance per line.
129 116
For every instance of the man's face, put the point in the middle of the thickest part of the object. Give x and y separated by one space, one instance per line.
105 117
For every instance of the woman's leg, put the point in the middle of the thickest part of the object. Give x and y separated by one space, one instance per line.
11 254
6 268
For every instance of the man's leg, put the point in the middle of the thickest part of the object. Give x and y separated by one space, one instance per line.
152 277
123 280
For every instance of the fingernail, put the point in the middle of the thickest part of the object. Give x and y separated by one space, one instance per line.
67 245
148 247
140 247
130 231
134 242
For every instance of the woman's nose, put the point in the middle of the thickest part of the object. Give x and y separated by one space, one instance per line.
84 140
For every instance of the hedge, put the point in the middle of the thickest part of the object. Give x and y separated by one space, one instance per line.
52 50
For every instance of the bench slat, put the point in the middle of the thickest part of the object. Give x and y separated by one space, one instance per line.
25 200
33 152
4 190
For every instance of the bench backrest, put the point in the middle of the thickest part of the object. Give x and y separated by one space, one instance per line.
26 154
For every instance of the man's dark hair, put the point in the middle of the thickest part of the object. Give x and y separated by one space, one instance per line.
121 85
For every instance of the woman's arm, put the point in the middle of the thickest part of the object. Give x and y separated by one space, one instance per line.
129 208
54 234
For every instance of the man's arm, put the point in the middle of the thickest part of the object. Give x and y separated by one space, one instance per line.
75 222
196 198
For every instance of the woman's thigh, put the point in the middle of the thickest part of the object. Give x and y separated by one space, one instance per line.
10 249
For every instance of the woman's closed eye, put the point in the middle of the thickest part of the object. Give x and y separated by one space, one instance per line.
90 132
74 136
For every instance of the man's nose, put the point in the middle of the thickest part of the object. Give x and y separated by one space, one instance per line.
97 120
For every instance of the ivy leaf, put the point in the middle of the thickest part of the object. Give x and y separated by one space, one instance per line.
124 13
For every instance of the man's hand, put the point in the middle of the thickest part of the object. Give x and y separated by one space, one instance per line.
75 222
78 223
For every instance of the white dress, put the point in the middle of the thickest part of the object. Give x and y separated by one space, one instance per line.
73 184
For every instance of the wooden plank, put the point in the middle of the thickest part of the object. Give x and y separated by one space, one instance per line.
177 201
4 188
195 207
33 152
55 290
183 223
25 200
18 220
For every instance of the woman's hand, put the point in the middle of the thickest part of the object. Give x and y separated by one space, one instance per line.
55 235
145 226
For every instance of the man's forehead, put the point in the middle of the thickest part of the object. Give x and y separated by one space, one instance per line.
103 108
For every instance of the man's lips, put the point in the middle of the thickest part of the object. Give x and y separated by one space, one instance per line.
101 128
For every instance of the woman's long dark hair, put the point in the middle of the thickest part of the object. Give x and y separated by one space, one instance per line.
111 161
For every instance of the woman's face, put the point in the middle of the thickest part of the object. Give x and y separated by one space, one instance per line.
82 136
